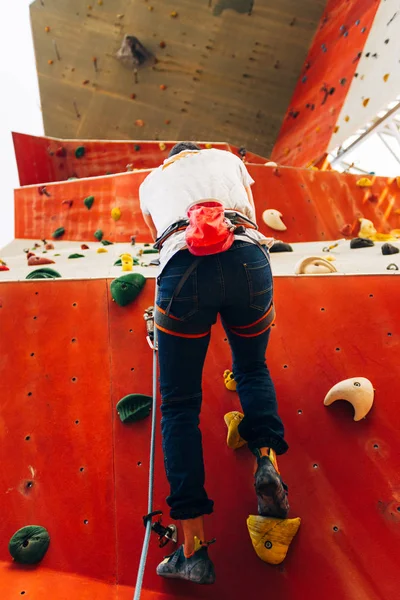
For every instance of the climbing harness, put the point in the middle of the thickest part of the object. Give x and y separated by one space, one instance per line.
209 230
165 534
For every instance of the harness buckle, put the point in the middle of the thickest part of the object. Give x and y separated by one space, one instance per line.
165 534
149 318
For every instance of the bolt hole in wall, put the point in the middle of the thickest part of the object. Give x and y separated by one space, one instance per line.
74 304
335 528
86 522
139 464
32 354
28 437
299 412
73 340
285 366
322 309
74 379
315 466
76 422
337 349
376 446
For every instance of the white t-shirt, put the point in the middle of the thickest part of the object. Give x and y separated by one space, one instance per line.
192 176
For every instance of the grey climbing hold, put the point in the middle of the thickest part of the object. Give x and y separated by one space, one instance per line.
29 544
389 249
361 243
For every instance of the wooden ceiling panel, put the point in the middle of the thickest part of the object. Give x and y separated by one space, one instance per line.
228 75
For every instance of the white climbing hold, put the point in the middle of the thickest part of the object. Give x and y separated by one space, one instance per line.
271 163
273 218
314 265
358 391
367 228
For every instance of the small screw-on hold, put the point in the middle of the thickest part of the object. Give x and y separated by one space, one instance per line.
268 545
357 384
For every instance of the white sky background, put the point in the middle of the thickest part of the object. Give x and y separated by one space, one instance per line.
21 111
20 102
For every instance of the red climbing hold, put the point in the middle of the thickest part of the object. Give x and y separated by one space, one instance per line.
61 151
49 247
4 268
39 260
133 96
162 44
346 230
84 247
69 202
30 254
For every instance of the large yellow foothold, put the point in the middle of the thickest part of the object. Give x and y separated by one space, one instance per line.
364 182
127 262
232 420
116 213
358 391
271 537
229 381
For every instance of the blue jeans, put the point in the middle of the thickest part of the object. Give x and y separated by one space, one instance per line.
238 285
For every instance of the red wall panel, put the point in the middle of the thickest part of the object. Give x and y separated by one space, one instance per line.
330 66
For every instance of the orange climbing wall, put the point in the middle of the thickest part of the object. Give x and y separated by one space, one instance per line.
330 65
342 474
315 205
43 159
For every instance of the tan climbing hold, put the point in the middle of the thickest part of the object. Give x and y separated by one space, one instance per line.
365 101
273 218
101 250
116 213
162 146
271 537
364 182
386 77
367 228
173 14
358 391
314 265
232 420
229 381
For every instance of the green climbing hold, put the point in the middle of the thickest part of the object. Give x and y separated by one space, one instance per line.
57 255
80 151
134 407
146 245
98 235
137 147
118 263
150 251
29 544
76 256
58 232
106 243
88 202
126 288
43 273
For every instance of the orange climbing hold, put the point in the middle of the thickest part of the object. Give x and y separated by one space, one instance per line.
167 121
139 123
133 96
162 146
398 181
336 129
174 14
47 29
386 77
365 101
50 62
163 86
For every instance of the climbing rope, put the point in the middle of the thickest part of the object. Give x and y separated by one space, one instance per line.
146 541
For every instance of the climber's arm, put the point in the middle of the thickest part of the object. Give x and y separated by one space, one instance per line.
150 224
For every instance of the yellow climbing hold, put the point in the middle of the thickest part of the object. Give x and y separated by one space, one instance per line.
365 101
271 537
364 182
232 420
174 14
101 250
208 146
127 262
229 381
386 77
47 29
116 213
336 129
162 146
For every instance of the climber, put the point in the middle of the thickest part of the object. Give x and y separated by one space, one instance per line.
210 262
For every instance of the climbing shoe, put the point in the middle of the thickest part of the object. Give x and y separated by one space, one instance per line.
198 568
272 492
